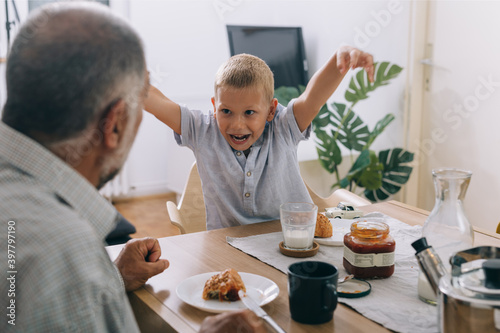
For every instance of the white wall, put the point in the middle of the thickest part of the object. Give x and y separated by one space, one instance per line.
186 41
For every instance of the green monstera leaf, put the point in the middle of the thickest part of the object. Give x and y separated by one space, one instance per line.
285 94
379 128
349 129
328 151
361 163
371 176
322 119
360 86
365 172
395 174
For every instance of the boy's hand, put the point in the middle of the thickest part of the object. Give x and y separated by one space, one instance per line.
326 80
349 57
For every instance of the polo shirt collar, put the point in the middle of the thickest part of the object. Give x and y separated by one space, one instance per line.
36 160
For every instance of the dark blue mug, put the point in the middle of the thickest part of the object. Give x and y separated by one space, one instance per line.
312 291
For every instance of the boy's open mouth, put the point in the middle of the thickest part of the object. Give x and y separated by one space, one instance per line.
240 138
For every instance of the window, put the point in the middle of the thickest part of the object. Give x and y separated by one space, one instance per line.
32 4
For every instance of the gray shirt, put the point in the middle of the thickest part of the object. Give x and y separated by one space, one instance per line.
61 278
243 190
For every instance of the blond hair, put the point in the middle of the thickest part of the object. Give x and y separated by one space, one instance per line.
245 71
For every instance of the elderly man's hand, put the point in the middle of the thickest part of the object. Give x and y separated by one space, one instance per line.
237 321
139 260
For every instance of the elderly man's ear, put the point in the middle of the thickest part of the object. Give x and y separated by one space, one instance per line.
115 122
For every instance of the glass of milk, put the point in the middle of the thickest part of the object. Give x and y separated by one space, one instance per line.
298 222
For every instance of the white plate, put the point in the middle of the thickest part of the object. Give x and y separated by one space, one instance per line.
259 288
340 228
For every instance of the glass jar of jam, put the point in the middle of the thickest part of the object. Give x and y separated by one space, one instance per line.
369 250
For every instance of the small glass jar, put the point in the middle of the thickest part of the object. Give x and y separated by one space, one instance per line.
369 250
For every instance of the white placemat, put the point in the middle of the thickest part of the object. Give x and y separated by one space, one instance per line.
393 302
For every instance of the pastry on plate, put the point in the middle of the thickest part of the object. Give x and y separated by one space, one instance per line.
224 286
323 227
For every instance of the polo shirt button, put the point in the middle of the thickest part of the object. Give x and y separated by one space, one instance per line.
249 173
238 153
247 194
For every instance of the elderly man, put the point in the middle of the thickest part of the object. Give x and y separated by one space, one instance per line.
76 82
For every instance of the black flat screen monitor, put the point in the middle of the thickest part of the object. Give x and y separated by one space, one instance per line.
282 48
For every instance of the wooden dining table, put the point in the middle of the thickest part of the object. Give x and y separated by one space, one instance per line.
158 308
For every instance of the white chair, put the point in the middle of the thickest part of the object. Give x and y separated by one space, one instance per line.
337 196
189 215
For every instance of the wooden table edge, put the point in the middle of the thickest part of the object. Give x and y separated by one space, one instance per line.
153 316
425 212
408 207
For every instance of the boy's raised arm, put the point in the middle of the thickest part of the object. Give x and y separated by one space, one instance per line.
326 80
163 109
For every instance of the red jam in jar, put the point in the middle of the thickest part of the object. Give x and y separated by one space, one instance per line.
369 250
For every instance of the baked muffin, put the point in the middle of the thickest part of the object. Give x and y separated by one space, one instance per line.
323 227
224 286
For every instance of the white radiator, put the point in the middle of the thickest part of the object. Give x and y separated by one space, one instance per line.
118 186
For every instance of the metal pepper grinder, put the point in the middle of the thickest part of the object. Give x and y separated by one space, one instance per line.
429 262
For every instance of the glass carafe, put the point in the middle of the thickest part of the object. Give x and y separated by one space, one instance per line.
447 228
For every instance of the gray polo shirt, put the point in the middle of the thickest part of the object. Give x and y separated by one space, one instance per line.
243 190
63 279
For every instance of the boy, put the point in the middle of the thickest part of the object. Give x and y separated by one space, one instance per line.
246 150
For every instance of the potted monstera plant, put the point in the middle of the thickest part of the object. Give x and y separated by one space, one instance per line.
381 174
